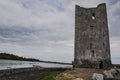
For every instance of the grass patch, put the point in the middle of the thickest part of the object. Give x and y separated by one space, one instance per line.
50 76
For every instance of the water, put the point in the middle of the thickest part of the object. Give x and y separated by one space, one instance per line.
7 64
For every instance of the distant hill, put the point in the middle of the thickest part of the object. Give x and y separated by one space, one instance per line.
15 57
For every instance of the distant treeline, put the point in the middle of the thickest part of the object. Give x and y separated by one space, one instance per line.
8 56
116 65
15 57
55 62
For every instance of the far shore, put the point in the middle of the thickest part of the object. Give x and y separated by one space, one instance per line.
8 56
54 62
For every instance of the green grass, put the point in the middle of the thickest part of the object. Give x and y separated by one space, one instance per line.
50 76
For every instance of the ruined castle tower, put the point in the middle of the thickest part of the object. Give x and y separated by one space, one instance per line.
92 49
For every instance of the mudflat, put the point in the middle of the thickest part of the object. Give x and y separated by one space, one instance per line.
31 73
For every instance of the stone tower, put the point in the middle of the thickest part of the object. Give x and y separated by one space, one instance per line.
92 49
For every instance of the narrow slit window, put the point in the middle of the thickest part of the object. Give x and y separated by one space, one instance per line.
103 22
103 44
92 53
93 16
91 26
90 45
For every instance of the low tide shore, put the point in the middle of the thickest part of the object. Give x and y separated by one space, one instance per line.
31 73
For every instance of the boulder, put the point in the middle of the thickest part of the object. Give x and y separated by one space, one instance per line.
118 70
114 71
97 76
108 74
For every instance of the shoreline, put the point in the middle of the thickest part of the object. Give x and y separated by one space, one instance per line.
29 73
53 62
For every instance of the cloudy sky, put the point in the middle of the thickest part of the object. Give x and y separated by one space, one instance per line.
44 29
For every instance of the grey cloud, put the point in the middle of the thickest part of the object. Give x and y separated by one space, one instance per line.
112 2
114 18
16 34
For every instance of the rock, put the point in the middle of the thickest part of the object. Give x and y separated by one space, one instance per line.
118 70
97 76
114 71
108 74
78 79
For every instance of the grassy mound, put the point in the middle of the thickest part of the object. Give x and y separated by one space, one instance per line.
83 73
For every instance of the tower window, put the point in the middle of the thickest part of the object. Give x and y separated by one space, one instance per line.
92 53
90 45
93 16
91 26
103 22
103 44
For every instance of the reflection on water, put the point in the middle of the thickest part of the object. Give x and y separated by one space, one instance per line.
6 64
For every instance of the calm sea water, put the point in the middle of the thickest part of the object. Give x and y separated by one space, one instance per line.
6 64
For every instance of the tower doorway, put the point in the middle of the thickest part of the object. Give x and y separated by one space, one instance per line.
100 65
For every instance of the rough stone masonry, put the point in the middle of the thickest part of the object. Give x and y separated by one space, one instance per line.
92 49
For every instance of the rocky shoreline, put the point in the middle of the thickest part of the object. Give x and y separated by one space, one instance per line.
31 73
38 73
90 74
